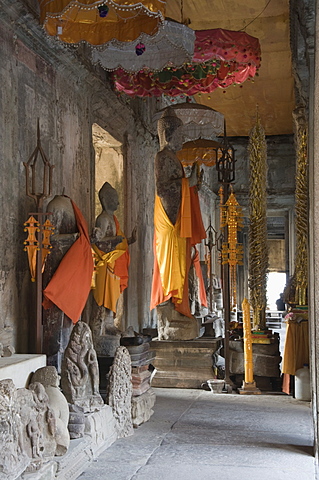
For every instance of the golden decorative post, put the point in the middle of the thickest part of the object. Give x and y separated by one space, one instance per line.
232 251
249 385
258 248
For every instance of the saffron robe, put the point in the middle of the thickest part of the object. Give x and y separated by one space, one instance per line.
70 285
112 272
172 251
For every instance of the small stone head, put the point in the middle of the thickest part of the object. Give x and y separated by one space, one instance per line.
108 197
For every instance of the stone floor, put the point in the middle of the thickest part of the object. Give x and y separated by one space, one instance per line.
195 434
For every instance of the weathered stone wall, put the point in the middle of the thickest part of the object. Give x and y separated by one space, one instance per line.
41 79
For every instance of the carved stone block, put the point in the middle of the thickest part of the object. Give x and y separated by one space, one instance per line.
80 370
119 392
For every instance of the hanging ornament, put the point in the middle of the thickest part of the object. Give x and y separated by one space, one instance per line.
47 231
32 244
103 10
100 21
140 49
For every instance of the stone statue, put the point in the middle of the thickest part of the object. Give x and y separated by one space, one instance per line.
69 274
112 259
56 325
49 378
80 371
172 234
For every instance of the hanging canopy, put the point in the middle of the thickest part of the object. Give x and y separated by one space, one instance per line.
199 121
221 58
201 151
100 21
172 45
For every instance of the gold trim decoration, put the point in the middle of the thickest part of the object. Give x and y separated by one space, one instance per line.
258 248
232 251
32 244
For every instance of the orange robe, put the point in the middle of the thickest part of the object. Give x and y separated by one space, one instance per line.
112 272
70 285
172 251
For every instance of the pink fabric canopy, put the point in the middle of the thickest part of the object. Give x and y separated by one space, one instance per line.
221 58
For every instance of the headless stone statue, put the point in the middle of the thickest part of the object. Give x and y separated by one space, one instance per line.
109 245
49 378
169 175
56 325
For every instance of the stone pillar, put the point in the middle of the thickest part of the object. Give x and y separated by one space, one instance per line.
313 283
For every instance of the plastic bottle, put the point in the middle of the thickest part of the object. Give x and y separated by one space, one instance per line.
302 384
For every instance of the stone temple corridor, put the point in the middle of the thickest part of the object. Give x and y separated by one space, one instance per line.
195 434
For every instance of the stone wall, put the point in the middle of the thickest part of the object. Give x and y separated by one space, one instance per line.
42 80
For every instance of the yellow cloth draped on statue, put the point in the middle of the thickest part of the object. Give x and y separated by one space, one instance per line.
107 284
170 244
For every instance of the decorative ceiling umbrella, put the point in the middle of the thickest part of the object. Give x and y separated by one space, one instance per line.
172 45
100 21
199 121
221 58
201 151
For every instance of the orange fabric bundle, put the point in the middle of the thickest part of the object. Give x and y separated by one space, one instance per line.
70 286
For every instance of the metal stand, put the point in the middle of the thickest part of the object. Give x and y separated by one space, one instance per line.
31 191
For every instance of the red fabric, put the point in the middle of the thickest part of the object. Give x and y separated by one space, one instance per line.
237 52
198 229
70 286
121 264
199 273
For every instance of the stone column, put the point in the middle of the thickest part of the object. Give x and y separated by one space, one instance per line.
313 153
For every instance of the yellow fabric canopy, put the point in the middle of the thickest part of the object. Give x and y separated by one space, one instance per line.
84 20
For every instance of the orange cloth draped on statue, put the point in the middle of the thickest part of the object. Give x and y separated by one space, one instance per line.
112 272
70 285
172 251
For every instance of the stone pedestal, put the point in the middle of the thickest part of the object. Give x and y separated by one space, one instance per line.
142 407
266 360
143 397
184 364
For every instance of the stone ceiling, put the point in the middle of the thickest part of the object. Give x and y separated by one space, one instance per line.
273 89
